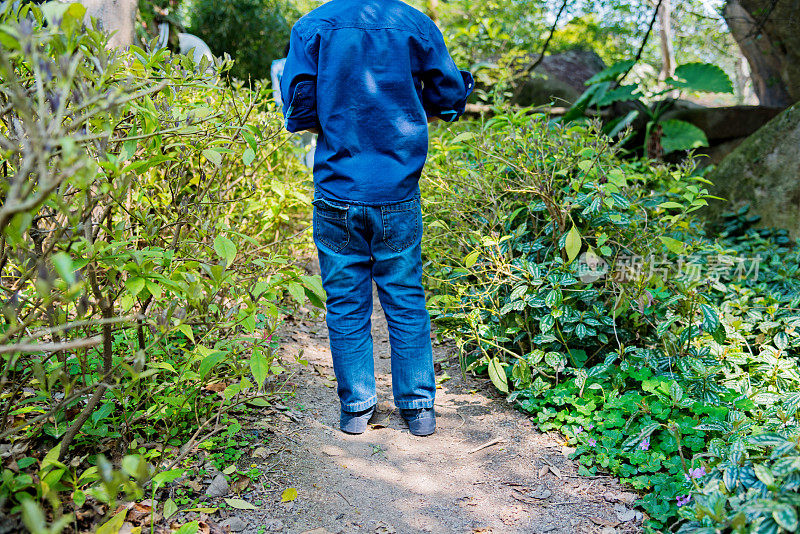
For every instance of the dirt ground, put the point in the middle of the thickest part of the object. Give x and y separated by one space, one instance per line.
485 470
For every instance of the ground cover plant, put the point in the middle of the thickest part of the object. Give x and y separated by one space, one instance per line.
586 289
146 222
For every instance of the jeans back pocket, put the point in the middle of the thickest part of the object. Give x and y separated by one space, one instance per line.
402 224
330 224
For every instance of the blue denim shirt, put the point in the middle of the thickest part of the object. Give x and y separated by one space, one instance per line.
368 74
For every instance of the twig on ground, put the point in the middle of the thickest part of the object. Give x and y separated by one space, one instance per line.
485 445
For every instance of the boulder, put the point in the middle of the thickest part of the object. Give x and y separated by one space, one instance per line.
725 123
560 78
763 171
767 33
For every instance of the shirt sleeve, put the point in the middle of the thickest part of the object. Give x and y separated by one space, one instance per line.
299 86
445 88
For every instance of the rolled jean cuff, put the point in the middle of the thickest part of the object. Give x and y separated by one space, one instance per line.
360 406
415 404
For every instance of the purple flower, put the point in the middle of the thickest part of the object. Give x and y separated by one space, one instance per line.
589 427
697 472
592 442
683 500
578 429
645 444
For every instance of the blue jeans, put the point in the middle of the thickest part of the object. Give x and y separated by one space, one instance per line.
358 244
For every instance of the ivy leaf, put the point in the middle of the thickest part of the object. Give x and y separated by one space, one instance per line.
497 374
225 248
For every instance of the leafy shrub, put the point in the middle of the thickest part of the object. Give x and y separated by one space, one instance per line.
253 32
142 270
660 362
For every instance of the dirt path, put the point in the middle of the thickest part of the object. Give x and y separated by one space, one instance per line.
485 470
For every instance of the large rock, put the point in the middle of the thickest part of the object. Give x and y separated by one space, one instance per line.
769 36
764 171
560 78
725 123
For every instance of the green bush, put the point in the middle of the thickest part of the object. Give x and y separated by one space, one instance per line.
253 32
661 363
142 219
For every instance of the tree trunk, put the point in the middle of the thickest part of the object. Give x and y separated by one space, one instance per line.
771 62
114 16
665 34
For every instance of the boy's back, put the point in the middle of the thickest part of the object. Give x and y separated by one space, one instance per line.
374 71
367 75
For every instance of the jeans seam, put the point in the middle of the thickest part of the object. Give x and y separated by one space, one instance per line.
359 406
417 403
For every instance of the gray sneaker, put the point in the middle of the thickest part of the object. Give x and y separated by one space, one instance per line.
421 421
355 422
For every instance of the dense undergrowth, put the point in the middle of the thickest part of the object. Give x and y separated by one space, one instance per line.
587 289
146 222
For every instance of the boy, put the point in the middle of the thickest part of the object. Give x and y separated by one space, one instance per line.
367 76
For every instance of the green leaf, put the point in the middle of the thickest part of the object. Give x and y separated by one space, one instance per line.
225 248
78 498
681 135
186 330
248 156
611 73
497 374
622 93
764 474
209 362
668 205
297 292
463 136
170 508
241 504
259 366
63 265
786 516
288 495
113 525
613 128
573 243
165 477
213 156
51 459
471 258
314 283
188 528
673 244
202 510
710 318
702 77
